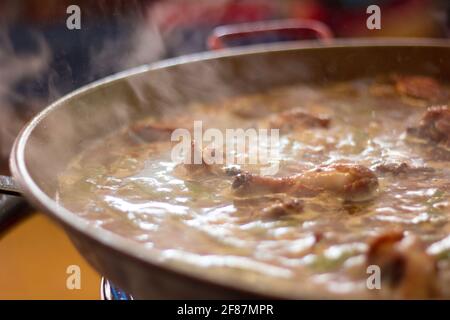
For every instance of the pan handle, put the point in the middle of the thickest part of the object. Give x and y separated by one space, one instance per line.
294 29
12 211
9 186
12 208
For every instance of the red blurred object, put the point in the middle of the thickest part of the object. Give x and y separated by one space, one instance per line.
292 29
169 15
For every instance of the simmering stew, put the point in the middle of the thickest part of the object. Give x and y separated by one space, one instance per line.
359 207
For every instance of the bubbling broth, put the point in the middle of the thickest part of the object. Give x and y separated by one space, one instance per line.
363 181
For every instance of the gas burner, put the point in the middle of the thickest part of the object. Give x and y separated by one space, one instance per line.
109 291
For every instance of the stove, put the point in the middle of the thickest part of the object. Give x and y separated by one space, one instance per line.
109 291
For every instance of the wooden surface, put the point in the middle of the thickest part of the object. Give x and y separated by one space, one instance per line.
34 257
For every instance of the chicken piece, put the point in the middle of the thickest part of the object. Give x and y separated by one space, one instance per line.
283 208
232 171
204 169
250 107
419 87
434 125
194 167
353 182
151 132
268 207
350 181
193 170
406 269
161 129
396 168
381 90
297 118
253 183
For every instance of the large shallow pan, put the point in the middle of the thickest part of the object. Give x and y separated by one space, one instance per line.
46 145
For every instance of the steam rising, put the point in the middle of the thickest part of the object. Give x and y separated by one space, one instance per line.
144 40
14 68
142 44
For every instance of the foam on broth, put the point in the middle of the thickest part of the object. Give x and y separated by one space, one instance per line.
133 189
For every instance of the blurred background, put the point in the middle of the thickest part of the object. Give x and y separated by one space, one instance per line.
41 60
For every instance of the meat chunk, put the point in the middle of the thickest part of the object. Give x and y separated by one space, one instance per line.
269 207
192 166
434 125
250 107
204 168
420 87
406 269
200 169
151 132
397 168
297 118
283 208
254 183
249 183
232 171
350 181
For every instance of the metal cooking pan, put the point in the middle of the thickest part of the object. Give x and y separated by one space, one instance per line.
46 145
